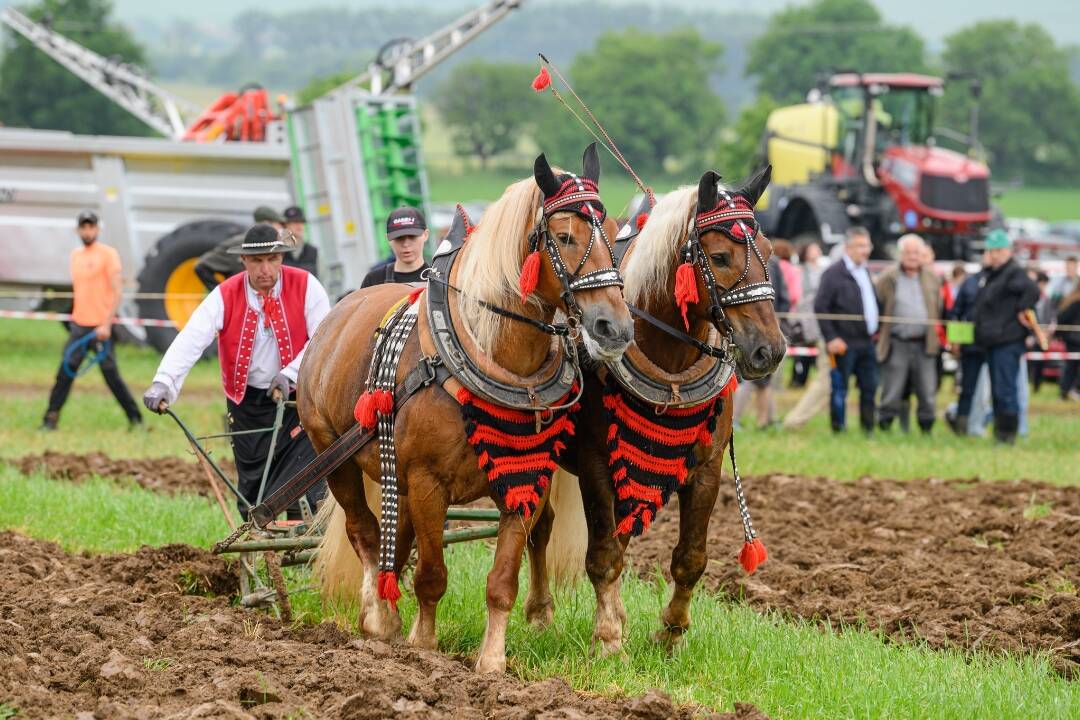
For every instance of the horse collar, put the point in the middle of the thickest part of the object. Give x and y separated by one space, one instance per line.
546 394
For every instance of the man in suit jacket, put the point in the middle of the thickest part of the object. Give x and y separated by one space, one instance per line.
846 289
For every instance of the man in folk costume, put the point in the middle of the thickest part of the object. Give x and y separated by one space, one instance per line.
263 319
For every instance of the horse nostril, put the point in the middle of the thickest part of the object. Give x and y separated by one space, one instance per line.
762 357
604 329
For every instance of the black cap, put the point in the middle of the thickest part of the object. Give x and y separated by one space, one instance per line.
405 221
88 217
294 213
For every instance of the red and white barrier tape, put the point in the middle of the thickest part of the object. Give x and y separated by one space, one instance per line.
30 315
800 351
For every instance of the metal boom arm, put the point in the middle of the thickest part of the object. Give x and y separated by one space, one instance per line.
122 83
411 60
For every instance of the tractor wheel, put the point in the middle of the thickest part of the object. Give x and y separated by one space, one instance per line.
170 268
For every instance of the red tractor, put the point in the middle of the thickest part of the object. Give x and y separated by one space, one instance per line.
864 151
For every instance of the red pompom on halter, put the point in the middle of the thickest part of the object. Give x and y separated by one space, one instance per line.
752 554
530 275
685 289
541 81
641 220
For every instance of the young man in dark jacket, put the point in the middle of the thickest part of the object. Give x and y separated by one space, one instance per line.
1005 293
846 289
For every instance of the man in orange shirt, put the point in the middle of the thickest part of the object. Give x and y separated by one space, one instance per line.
96 284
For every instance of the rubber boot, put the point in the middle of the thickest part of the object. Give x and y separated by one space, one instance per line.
926 426
50 420
959 425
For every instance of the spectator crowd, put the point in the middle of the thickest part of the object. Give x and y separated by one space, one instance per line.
895 331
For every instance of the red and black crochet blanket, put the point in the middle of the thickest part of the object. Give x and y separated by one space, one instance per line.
518 460
650 455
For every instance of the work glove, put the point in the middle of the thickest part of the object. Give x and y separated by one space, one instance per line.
280 384
155 397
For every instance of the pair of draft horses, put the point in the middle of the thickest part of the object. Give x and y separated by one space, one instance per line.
556 218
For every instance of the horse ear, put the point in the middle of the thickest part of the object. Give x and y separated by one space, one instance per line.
590 164
706 191
545 178
754 188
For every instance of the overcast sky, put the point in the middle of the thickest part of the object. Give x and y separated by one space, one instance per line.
934 19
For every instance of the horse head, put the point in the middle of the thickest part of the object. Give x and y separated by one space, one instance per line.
569 264
738 296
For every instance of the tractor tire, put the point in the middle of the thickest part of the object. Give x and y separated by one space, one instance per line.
170 268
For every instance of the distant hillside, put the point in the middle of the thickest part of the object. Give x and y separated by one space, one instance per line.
270 48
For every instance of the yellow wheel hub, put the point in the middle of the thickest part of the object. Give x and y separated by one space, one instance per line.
183 292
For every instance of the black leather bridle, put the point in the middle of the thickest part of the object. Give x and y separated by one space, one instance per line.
578 195
734 217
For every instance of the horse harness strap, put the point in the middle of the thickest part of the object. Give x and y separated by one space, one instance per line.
428 371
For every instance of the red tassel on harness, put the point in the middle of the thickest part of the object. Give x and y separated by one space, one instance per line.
641 220
530 274
685 289
752 554
541 81
415 295
384 402
731 387
388 588
364 412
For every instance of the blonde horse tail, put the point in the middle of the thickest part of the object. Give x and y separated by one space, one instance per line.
337 569
569 534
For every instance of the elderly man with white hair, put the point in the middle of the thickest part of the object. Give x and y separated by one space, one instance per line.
907 347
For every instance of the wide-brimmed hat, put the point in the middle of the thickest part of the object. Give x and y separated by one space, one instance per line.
262 240
267 214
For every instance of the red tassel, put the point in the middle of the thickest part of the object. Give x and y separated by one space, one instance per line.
641 220
388 588
530 275
752 555
364 412
685 289
384 402
625 526
541 81
415 295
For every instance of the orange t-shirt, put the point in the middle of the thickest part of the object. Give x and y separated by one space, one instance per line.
92 270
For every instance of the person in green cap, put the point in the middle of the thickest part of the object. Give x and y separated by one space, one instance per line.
221 263
1005 293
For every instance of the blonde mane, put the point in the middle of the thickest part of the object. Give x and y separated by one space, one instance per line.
491 259
652 262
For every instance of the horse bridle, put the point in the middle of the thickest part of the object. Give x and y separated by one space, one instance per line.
734 217
580 196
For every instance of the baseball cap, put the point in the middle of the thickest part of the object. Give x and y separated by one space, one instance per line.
997 240
88 217
294 213
267 214
405 221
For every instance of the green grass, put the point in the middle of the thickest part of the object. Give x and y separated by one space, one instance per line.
101 516
1048 204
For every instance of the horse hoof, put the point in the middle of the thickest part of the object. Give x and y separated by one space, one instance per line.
540 616
669 639
486 665
605 647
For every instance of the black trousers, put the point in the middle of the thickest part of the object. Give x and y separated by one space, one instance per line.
291 453
62 386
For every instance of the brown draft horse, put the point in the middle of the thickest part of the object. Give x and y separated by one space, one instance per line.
649 269
436 466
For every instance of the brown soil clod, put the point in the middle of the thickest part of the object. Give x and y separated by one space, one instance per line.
987 565
165 474
116 636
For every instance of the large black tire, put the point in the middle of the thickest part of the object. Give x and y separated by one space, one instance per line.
171 252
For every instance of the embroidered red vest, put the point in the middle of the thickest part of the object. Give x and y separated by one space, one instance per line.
236 340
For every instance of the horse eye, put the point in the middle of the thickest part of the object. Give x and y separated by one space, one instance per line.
566 239
721 259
